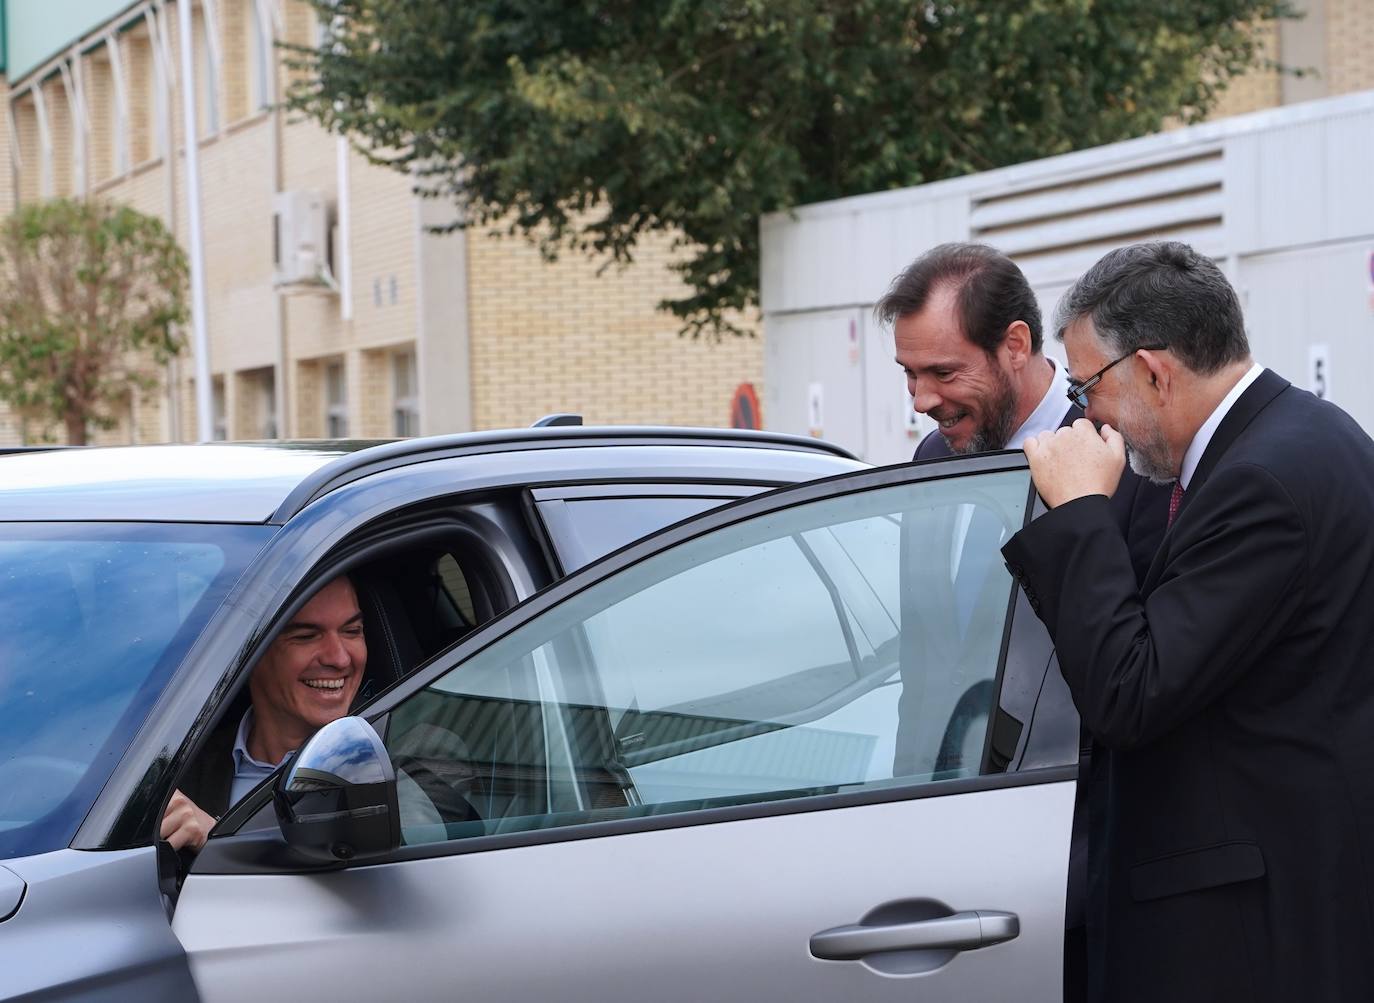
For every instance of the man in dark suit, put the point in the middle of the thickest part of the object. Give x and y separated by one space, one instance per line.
1229 694
968 336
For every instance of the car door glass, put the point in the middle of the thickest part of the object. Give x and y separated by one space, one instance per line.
584 529
455 584
843 643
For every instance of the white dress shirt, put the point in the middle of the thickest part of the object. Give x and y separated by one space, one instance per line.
1049 413
1209 427
1047 416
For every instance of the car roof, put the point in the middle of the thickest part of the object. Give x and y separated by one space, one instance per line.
271 481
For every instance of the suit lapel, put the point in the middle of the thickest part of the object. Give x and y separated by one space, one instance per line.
1256 398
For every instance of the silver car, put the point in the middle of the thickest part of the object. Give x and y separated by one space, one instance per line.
807 743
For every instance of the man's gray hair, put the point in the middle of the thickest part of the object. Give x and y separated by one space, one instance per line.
1160 293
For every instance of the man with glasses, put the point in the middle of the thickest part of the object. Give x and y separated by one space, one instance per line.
968 336
1229 694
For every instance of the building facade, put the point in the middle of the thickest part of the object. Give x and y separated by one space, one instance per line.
332 310
1323 53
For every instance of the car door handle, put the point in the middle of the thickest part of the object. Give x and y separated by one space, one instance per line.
962 931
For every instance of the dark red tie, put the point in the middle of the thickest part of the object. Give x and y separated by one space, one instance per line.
1175 500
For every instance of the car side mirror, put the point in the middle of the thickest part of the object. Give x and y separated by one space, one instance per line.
336 801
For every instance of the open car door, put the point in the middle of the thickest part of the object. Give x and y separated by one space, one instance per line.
785 749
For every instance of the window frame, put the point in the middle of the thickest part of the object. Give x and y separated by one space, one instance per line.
335 409
259 851
405 407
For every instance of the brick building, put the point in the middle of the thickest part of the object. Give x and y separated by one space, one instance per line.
385 329
393 330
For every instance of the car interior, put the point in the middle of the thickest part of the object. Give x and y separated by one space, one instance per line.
420 591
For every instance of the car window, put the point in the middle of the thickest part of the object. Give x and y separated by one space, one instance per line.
455 585
96 618
587 524
845 643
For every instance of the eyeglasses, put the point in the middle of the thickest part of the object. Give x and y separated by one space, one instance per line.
1078 392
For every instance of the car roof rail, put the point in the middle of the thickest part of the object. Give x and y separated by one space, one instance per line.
44 448
401 452
557 420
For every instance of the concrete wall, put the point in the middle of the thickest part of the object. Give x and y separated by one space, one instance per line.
1281 198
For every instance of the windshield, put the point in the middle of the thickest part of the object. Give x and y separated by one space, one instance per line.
95 619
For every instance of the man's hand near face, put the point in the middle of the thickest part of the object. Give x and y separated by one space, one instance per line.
184 825
1075 462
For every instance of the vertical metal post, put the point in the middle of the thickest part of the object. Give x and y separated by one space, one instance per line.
164 81
121 94
76 111
16 158
46 186
200 338
271 27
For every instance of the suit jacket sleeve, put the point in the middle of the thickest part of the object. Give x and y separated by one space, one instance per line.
1138 666
929 447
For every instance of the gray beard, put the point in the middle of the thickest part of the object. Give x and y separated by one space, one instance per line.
1150 459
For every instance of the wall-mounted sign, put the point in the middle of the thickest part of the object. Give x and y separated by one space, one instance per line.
744 408
1371 280
1319 370
914 424
815 408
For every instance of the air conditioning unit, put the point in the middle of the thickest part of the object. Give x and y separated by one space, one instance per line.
300 239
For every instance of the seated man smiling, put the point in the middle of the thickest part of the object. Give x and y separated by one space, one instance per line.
306 678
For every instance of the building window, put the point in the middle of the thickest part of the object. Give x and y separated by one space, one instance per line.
219 419
405 399
335 401
259 403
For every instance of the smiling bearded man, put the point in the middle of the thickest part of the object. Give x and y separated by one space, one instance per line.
307 678
968 336
967 330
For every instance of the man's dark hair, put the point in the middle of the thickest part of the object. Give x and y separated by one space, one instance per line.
992 293
1160 293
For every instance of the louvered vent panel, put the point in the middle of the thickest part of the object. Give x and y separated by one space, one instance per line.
1063 227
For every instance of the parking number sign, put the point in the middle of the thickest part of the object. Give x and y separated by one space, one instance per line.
1319 371
815 408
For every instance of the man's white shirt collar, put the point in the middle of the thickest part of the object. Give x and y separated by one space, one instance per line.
1049 413
241 753
1209 427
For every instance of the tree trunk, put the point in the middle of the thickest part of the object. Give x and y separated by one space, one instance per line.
76 428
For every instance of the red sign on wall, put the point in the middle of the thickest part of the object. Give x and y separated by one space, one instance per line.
744 408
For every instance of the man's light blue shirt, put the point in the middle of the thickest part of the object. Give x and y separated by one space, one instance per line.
248 772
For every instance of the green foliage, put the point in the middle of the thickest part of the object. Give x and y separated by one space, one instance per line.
90 296
585 124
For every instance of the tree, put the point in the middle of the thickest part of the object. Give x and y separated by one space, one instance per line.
586 124
90 297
